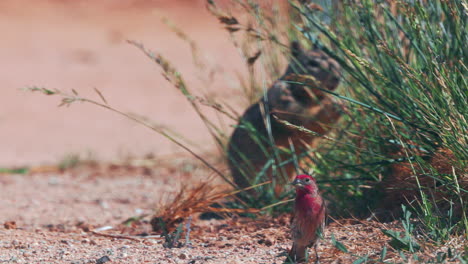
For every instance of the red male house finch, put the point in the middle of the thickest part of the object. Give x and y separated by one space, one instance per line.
309 217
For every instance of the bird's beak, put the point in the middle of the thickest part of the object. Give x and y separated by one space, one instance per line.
297 183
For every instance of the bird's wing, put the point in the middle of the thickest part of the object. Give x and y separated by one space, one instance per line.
321 225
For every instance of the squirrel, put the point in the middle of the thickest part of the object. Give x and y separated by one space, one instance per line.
251 146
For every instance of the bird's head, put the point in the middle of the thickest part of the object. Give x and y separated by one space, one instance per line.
305 184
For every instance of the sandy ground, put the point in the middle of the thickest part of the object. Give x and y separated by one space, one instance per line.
59 215
78 45
77 216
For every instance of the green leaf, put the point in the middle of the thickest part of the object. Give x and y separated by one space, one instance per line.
40 89
383 253
15 170
361 260
402 255
401 243
338 244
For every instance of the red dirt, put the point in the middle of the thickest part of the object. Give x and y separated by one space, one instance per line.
75 45
54 217
54 213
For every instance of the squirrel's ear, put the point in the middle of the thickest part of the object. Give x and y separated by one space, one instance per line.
296 48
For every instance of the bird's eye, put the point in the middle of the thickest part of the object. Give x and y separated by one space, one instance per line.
307 180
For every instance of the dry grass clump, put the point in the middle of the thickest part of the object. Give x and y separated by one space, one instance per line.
191 200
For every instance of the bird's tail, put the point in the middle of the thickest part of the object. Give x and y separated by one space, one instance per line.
297 253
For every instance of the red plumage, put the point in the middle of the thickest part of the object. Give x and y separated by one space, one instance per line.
309 217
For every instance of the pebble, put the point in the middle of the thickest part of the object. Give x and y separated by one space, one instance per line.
53 181
103 260
152 241
183 256
125 247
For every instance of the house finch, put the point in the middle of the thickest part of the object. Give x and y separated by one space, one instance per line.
309 217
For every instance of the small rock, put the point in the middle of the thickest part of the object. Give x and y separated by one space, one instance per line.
125 247
103 260
53 181
84 226
152 241
103 204
268 242
183 256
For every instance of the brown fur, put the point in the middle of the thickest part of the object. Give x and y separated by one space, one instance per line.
301 106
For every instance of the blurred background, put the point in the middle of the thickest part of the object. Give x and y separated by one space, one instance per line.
81 45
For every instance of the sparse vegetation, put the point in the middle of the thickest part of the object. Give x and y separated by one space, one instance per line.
402 137
406 106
